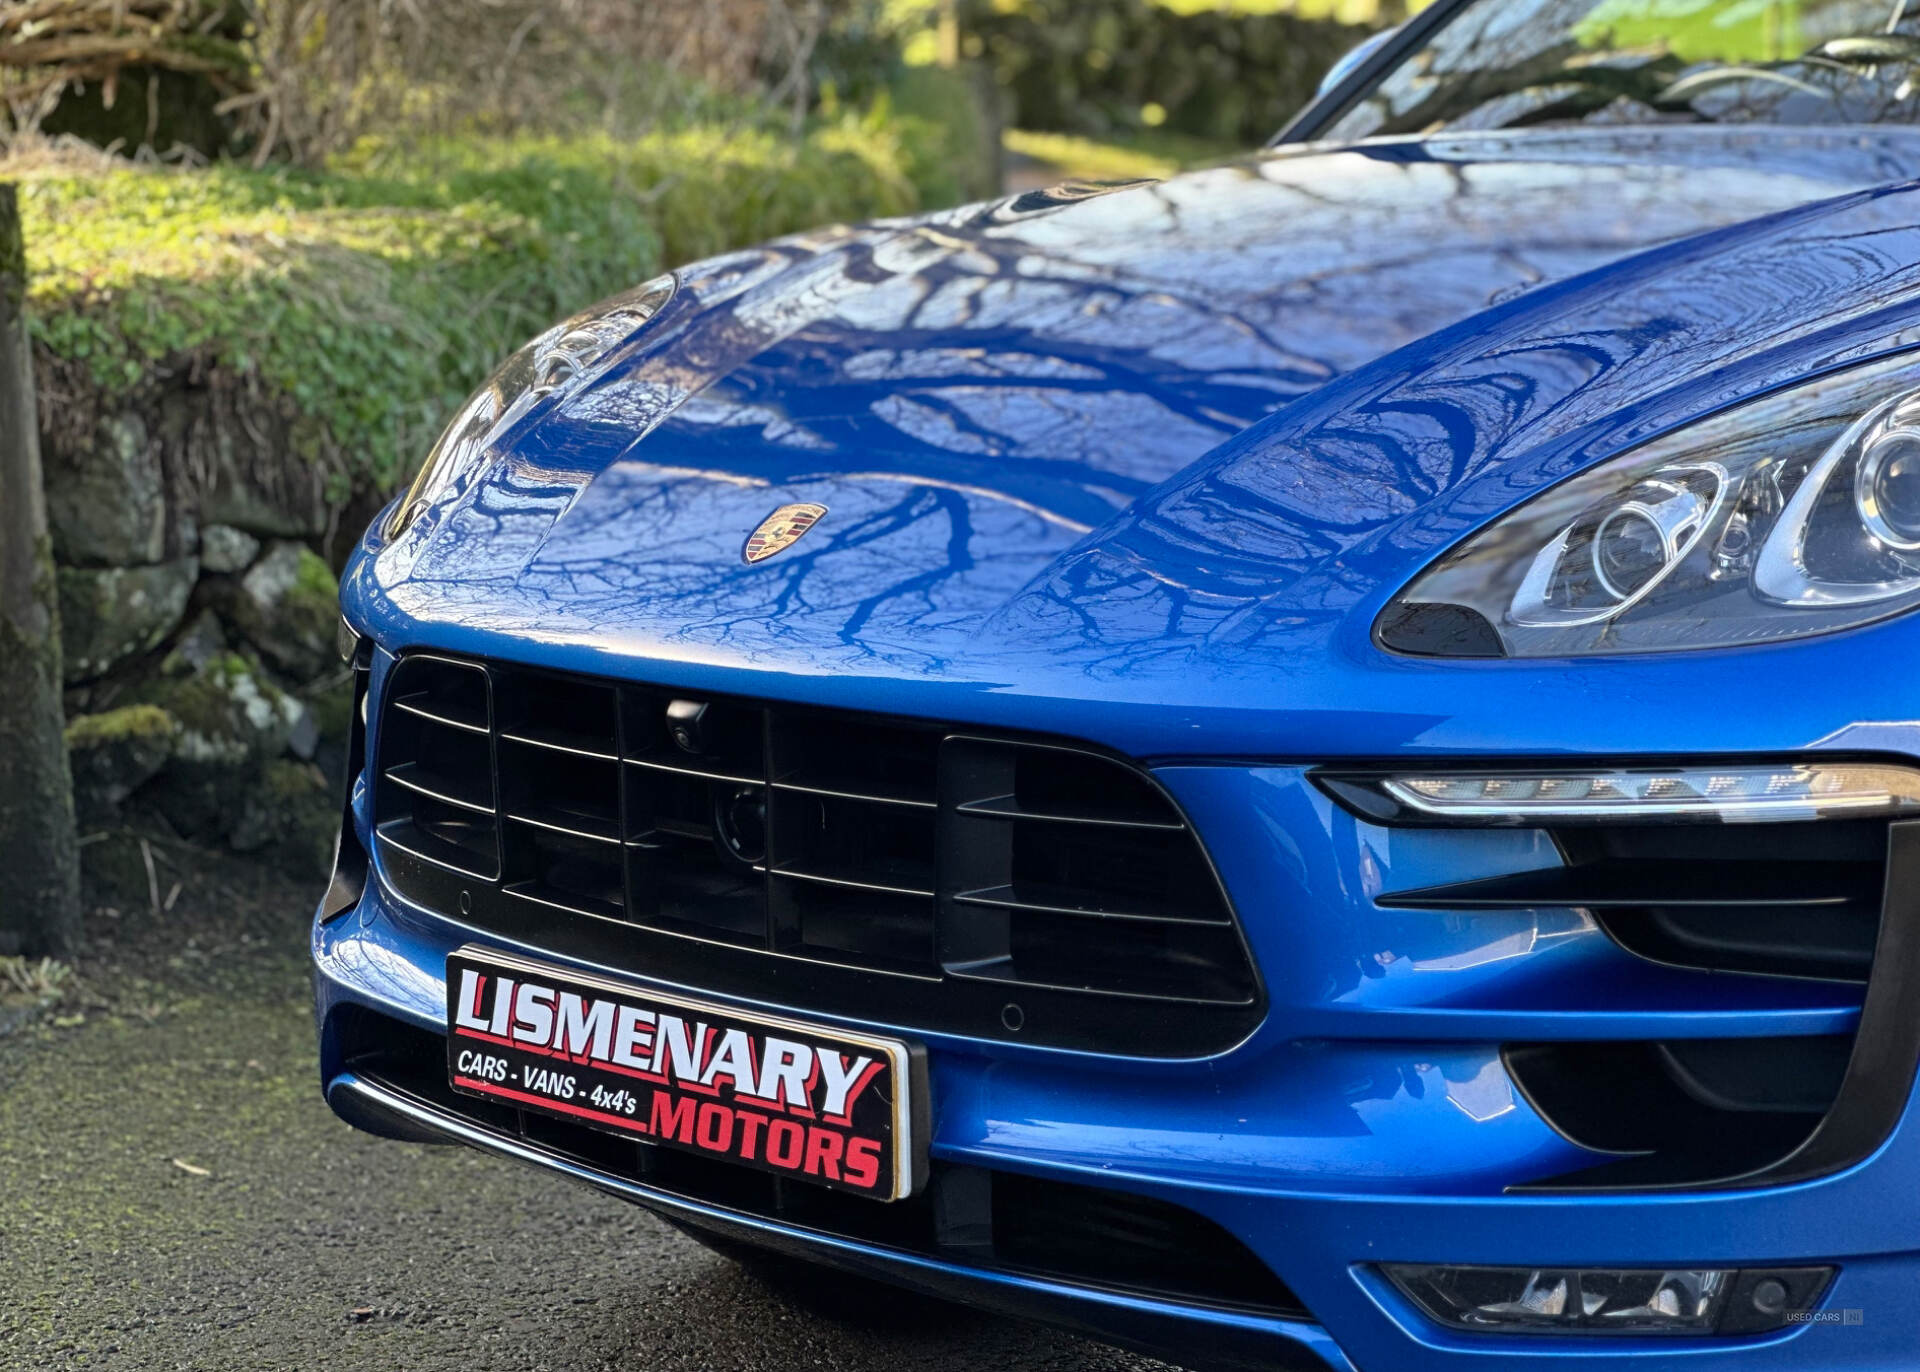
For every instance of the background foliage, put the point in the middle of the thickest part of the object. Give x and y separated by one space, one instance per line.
375 292
1120 66
307 78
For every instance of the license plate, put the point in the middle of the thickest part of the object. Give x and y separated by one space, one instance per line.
841 1110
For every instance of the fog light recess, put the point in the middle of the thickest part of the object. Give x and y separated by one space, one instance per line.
1699 1301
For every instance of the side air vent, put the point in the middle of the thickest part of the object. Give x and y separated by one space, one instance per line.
995 885
1828 899
1685 1112
1799 900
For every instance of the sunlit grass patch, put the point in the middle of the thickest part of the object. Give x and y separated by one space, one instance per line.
1146 155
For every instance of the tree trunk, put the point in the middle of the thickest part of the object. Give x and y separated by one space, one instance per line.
39 853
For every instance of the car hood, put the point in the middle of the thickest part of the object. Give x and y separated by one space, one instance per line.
1167 436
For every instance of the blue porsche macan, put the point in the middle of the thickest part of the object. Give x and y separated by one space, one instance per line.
1315 765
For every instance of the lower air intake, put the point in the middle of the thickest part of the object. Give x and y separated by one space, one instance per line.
973 1217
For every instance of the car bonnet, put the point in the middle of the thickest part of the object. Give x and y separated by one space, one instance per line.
1164 435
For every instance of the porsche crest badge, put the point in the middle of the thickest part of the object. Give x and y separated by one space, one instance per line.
781 530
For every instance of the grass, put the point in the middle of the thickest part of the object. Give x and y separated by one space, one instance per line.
1148 154
38 980
1345 11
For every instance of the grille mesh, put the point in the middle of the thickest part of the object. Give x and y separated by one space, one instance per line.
891 847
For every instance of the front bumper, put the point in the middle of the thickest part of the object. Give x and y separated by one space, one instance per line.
1230 1339
1369 1119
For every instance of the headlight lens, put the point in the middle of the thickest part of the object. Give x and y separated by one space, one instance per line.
1793 515
559 361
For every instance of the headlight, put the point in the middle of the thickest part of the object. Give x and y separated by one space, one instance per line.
1797 514
560 360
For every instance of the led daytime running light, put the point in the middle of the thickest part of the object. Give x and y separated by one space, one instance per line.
1742 794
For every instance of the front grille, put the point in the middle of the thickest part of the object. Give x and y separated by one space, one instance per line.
884 868
973 1217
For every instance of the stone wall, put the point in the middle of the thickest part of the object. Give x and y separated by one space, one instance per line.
204 695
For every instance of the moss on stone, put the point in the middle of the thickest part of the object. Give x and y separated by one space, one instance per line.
291 813
312 604
109 614
115 753
287 606
228 712
315 578
129 723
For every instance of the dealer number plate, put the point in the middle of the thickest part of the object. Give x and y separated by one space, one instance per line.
818 1105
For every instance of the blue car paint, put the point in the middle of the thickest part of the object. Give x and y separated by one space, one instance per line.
1142 468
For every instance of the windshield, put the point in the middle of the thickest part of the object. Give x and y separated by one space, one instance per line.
1510 63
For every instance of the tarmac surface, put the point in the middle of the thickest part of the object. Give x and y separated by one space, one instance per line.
174 1195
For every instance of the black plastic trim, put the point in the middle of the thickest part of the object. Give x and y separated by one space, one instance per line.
1054 1228
1672 882
348 882
1324 109
1880 1072
1886 1047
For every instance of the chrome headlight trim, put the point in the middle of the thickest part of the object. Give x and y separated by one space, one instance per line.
1767 521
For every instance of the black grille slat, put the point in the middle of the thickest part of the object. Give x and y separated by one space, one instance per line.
444 691
883 930
1840 863
1618 883
1020 869
1010 807
1059 900
1067 794
565 792
450 838
419 709
854 842
730 743
1802 898
1134 961
462 793
558 714
850 760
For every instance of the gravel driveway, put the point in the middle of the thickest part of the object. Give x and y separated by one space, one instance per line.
174 1195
